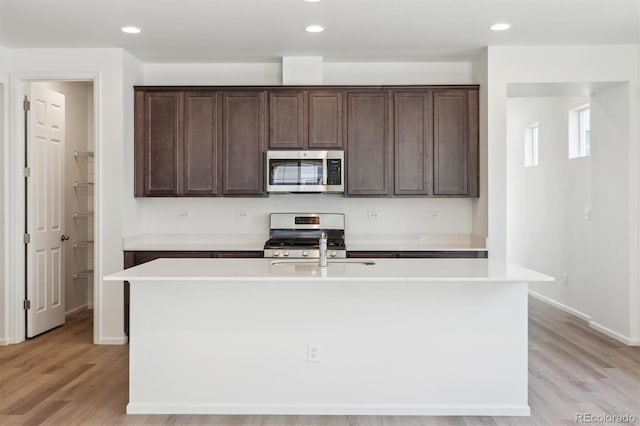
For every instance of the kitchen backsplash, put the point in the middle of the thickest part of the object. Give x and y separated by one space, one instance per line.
370 216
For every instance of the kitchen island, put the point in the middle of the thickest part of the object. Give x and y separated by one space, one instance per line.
264 336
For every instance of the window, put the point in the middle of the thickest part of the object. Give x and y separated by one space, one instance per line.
531 145
579 132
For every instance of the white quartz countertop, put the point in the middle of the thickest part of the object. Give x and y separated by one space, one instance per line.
418 270
198 246
409 246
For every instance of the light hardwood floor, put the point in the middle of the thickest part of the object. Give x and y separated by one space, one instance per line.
61 378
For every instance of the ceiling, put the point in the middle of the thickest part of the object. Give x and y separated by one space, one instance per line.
266 30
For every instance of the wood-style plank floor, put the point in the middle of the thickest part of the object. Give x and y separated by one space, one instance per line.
61 378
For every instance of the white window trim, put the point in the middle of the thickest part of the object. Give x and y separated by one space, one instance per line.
531 143
577 148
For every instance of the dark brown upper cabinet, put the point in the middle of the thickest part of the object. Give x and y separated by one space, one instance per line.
325 119
177 143
287 120
369 147
201 143
158 125
455 143
244 139
413 143
305 119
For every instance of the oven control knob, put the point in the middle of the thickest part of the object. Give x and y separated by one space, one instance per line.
333 253
276 253
305 253
286 253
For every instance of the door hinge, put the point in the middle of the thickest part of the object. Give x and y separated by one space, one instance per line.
27 172
27 304
26 105
27 238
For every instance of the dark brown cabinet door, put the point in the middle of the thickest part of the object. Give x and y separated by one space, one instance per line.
160 117
369 150
201 143
413 131
244 142
286 120
455 142
325 120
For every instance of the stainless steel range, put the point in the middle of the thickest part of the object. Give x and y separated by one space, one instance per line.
297 235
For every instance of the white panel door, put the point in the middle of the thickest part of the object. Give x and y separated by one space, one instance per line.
45 210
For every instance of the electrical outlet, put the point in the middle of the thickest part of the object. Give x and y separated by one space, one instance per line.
313 353
183 214
433 214
242 215
373 215
565 279
586 215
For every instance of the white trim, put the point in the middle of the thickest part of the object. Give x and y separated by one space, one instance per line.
330 409
14 218
5 341
96 304
113 340
76 310
613 334
560 306
594 325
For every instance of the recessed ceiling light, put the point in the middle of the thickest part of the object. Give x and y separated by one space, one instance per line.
314 29
131 30
500 26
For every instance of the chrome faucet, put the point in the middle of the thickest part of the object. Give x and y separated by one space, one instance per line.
322 243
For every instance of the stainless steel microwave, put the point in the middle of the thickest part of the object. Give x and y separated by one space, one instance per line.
305 171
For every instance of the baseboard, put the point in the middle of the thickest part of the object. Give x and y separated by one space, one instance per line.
330 409
112 341
599 328
560 306
76 310
4 341
614 334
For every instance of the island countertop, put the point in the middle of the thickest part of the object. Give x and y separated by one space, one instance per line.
416 270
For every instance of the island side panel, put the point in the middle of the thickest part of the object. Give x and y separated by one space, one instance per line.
384 348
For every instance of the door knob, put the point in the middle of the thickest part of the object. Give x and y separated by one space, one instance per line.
64 237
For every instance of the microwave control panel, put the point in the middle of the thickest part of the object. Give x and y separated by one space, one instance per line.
334 172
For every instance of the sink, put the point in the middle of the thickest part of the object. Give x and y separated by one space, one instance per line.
315 262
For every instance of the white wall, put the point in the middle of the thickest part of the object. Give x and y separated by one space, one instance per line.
4 129
563 64
546 230
334 73
107 65
610 224
77 119
397 73
397 216
480 218
212 74
131 210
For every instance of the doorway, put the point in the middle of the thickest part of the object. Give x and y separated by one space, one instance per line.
59 202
